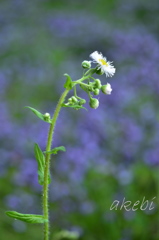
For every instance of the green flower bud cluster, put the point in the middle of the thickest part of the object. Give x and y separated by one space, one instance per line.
72 100
98 83
94 88
97 86
76 101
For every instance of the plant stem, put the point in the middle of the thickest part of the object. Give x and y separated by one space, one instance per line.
47 164
47 156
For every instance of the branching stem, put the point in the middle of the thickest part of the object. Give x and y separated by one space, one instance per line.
47 164
47 156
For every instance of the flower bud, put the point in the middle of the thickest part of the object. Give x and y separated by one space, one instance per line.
86 64
99 71
98 83
82 101
47 117
96 91
106 89
94 103
70 100
74 99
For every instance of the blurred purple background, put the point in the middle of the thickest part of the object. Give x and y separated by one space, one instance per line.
115 145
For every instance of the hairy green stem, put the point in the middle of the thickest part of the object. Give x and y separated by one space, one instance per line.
47 156
47 164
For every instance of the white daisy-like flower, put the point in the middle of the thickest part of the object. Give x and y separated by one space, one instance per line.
104 65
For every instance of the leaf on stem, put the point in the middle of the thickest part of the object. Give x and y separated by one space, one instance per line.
68 83
29 218
66 235
74 106
41 163
39 115
55 150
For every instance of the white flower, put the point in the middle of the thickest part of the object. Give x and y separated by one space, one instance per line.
106 89
104 65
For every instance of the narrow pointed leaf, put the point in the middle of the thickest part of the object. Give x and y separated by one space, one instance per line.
55 150
41 163
76 107
66 235
38 114
29 218
68 83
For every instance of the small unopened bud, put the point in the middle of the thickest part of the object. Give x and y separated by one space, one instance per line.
99 71
86 64
74 99
106 89
96 91
94 103
70 100
82 101
98 83
46 116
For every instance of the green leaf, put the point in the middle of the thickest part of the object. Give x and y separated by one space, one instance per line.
74 106
39 115
66 235
41 163
68 83
55 150
30 218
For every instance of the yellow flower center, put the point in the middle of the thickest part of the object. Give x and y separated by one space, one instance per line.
103 62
